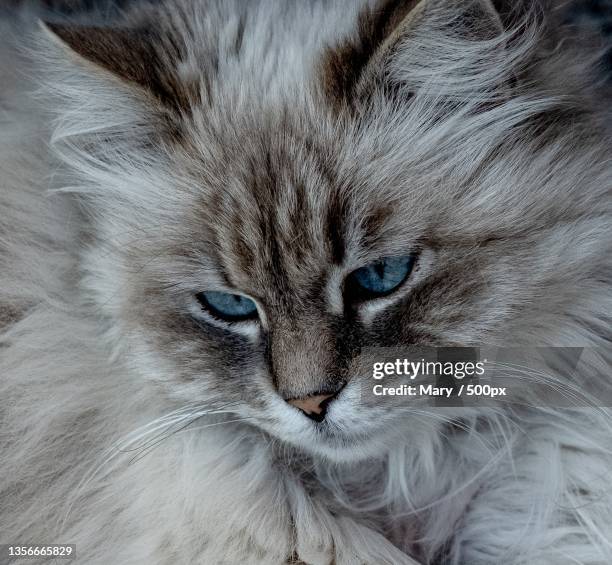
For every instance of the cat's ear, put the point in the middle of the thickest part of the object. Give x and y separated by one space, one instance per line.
394 34
136 55
122 98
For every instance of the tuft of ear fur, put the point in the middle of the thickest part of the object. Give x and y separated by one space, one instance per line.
138 55
358 65
119 104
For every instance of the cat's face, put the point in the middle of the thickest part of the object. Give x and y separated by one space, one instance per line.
265 242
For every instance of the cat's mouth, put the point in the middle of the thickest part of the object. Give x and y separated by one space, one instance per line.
339 445
332 439
340 431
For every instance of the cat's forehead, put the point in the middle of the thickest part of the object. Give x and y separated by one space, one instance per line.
276 209
286 196
281 204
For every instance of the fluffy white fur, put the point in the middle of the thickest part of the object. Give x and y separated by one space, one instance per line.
94 449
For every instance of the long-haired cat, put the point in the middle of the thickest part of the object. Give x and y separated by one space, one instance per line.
209 208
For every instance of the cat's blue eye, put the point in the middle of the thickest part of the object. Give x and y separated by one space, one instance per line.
231 307
382 277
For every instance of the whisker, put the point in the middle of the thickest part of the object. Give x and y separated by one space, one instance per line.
108 460
185 428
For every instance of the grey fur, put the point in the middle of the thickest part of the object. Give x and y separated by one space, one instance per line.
236 167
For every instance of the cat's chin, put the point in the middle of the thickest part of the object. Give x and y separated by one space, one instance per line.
338 447
349 452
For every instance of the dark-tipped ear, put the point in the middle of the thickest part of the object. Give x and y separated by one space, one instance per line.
352 68
138 56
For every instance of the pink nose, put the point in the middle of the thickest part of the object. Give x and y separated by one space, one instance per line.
311 405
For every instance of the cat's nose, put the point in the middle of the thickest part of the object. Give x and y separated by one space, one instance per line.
313 406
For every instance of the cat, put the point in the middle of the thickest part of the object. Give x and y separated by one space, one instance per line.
198 200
